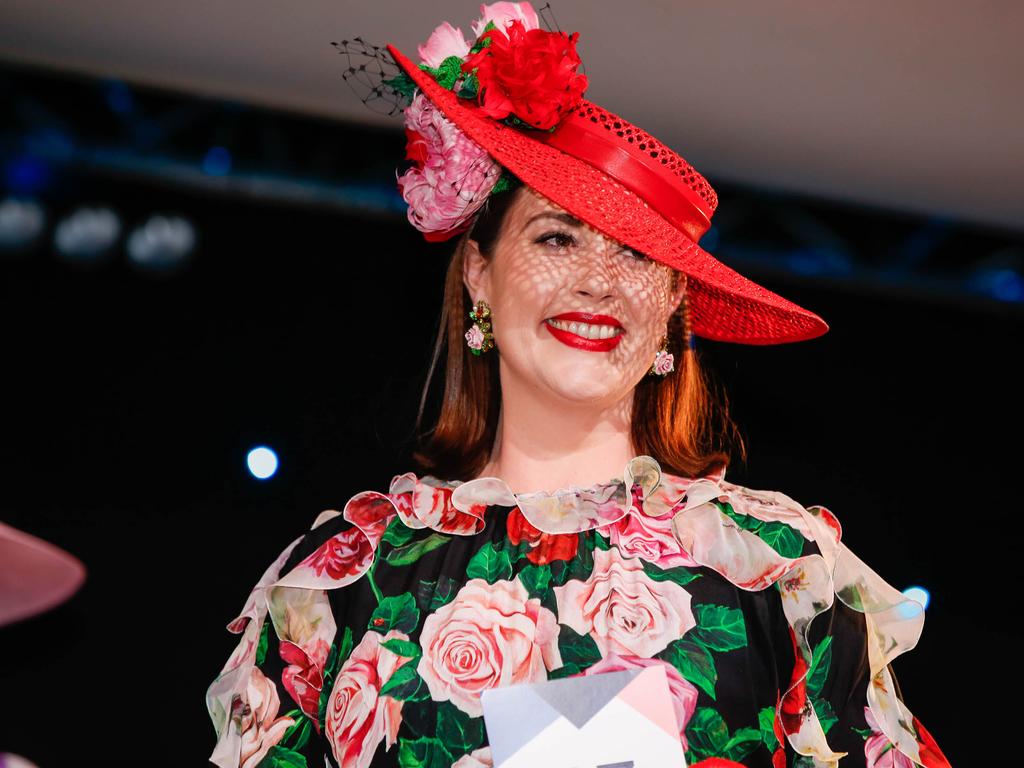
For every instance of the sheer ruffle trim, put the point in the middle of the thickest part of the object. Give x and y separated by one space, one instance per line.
809 585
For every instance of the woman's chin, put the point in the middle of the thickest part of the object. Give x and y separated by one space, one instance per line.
588 383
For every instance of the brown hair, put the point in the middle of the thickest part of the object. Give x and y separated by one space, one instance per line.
679 419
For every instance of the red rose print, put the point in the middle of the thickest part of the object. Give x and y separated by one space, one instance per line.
544 547
931 756
341 555
528 73
795 701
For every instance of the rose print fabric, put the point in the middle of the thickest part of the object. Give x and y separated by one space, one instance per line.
368 641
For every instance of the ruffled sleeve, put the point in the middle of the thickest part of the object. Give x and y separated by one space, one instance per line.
271 697
842 705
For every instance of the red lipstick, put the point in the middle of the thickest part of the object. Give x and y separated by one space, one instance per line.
582 342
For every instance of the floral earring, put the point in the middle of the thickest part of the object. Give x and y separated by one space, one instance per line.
664 361
479 336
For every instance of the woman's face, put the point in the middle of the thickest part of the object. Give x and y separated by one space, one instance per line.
546 266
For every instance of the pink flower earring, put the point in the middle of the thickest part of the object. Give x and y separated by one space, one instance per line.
479 336
664 361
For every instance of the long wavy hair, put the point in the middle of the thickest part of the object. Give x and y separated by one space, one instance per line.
681 419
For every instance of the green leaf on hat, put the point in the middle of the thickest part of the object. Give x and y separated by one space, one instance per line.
401 83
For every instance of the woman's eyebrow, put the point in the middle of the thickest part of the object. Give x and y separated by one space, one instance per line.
568 218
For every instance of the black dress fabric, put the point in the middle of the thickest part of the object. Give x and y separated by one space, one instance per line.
370 638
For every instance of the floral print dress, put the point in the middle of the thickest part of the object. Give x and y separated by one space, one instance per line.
368 641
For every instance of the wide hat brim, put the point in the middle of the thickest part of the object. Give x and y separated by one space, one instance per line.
724 305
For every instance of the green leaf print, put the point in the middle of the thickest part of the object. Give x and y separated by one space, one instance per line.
743 742
406 684
426 752
766 722
398 533
708 736
826 715
402 647
582 565
297 735
783 538
410 553
280 757
694 663
261 647
489 564
707 732
431 595
566 670
600 542
577 649
536 579
398 613
680 575
719 628
459 732
817 672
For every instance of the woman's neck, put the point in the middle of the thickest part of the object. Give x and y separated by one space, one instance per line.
544 445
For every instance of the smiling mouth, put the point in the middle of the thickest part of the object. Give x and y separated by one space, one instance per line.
594 331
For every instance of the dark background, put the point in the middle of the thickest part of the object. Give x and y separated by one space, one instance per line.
129 402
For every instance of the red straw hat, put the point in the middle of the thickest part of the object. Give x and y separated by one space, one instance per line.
596 165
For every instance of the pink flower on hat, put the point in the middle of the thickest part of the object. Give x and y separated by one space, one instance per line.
502 13
452 176
443 42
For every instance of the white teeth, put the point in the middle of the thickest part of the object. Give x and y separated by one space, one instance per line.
587 330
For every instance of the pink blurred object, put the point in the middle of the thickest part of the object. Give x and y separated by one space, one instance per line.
11 760
35 575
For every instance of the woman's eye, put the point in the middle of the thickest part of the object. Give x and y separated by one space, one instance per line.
561 239
636 255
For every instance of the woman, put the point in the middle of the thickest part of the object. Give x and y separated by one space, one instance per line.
572 517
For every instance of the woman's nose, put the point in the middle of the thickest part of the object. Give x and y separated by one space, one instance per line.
596 276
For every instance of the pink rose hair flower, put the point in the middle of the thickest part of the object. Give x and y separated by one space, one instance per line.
443 42
502 13
452 176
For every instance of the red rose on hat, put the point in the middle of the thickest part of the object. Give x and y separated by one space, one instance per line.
529 73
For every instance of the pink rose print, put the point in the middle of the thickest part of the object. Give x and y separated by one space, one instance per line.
357 716
475 337
302 678
879 751
490 635
452 175
305 625
261 727
648 537
443 42
664 362
684 694
623 609
478 758
502 13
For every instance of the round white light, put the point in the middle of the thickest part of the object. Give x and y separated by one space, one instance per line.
262 462
919 597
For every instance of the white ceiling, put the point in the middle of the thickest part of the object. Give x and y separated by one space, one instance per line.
914 105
